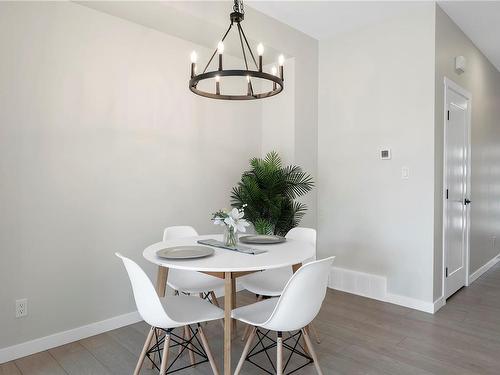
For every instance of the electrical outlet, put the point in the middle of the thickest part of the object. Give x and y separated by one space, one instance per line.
21 307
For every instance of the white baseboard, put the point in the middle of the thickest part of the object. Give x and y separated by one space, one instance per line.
360 283
61 338
412 303
44 343
440 302
474 276
375 287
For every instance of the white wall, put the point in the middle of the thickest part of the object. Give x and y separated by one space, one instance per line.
278 121
204 22
377 90
102 146
482 80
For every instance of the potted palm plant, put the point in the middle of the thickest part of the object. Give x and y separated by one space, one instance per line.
269 191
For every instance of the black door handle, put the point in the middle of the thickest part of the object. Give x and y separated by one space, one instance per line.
467 201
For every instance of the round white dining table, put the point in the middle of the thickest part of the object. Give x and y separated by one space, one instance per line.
229 265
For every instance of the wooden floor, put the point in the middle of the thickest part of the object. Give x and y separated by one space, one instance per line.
359 336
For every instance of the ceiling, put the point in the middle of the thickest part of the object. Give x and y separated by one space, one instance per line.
480 21
325 19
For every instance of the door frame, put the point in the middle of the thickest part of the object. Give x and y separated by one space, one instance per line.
449 84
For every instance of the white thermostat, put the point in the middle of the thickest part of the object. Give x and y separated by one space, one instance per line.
385 154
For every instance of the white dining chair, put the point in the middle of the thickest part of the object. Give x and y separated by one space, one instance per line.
191 282
270 283
164 315
294 310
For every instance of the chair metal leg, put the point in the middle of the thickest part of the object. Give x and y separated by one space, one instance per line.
279 353
210 356
245 350
151 364
311 351
164 357
144 351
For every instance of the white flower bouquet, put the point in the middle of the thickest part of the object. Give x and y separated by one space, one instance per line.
233 221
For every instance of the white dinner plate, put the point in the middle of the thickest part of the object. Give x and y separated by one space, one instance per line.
185 252
262 239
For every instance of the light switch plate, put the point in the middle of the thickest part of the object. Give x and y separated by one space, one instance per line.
405 173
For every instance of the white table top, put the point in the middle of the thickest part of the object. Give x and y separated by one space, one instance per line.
278 255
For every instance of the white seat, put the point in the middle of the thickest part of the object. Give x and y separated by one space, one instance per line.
190 282
165 314
272 282
187 310
298 305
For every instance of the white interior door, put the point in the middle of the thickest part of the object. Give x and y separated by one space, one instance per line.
456 172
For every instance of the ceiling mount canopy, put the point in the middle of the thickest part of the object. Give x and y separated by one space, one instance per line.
272 82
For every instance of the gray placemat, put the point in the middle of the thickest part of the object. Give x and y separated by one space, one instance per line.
238 248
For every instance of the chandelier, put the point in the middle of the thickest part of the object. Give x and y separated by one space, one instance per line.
271 83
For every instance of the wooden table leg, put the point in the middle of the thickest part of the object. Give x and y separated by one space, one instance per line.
233 302
296 267
228 306
161 281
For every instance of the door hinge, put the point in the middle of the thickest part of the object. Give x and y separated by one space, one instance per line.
446 271
446 193
448 115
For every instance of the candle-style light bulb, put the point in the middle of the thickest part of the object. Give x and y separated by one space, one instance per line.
220 50
194 57
217 79
248 78
260 49
260 52
281 61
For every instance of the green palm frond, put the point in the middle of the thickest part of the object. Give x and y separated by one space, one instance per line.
269 189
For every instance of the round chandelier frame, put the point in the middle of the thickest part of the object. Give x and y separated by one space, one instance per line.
277 81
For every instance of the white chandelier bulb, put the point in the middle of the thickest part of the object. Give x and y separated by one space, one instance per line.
260 49
281 60
217 79
220 48
194 57
274 70
248 79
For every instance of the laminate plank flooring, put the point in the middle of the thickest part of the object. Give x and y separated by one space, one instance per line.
359 336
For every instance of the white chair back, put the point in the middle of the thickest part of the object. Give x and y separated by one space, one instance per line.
147 300
302 297
304 234
180 231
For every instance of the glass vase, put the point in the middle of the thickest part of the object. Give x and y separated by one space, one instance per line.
230 237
